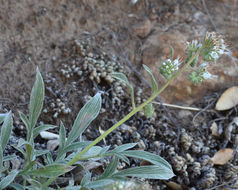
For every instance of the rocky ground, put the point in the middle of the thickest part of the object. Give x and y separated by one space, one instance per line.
77 44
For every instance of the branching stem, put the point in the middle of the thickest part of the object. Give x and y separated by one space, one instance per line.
129 115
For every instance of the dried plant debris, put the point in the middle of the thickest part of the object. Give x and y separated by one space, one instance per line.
222 156
228 99
82 64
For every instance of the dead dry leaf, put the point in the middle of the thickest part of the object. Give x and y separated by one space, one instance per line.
214 129
52 144
48 135
173 186
228 99
222 156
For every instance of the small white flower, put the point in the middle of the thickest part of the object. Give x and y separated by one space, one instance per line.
205 64
214 55
207 75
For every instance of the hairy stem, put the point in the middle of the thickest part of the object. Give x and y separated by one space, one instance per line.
129 115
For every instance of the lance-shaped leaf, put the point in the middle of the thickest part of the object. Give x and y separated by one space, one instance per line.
36 185
17 186
51 170
123 78
29 152
8 179
152 158
2 116
86 178
111 168
86 115
147 172
36 100
25 120
149 110
99 183
1 158
6 130
72 147
62 137
123 147
171 53
153 82
41 128
122 157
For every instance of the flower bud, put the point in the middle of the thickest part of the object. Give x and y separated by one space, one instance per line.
168 67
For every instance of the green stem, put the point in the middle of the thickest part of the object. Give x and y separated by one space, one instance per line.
128 116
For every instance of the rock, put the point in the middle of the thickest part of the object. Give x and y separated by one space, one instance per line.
143 28
157 49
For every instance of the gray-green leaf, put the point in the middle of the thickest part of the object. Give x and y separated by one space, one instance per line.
17 186
1 158
111 168
25 120
62 137
51 170
8 179
6 130
149 110
2 116
121 77
123 147
86 115
152 158
36 100
73 147
99 183
153 82
45 127
148 172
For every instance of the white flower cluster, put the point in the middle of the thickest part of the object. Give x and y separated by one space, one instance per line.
218 46
169 67
194 45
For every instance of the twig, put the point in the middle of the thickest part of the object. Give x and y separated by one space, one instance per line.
202 110
223 184
138 74
181 107
209 15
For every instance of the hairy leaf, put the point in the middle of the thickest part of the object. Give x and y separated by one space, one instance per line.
62 137
35 184
111 168
153 82
6 130
17 186
99 183
148 172
149 110
29 152
152 158
8 179
86 178
122 157
2 116
86 115
1 158
40 152
50 170
123 147
9 157
36 100
73 147
121 77
25 120
41 128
